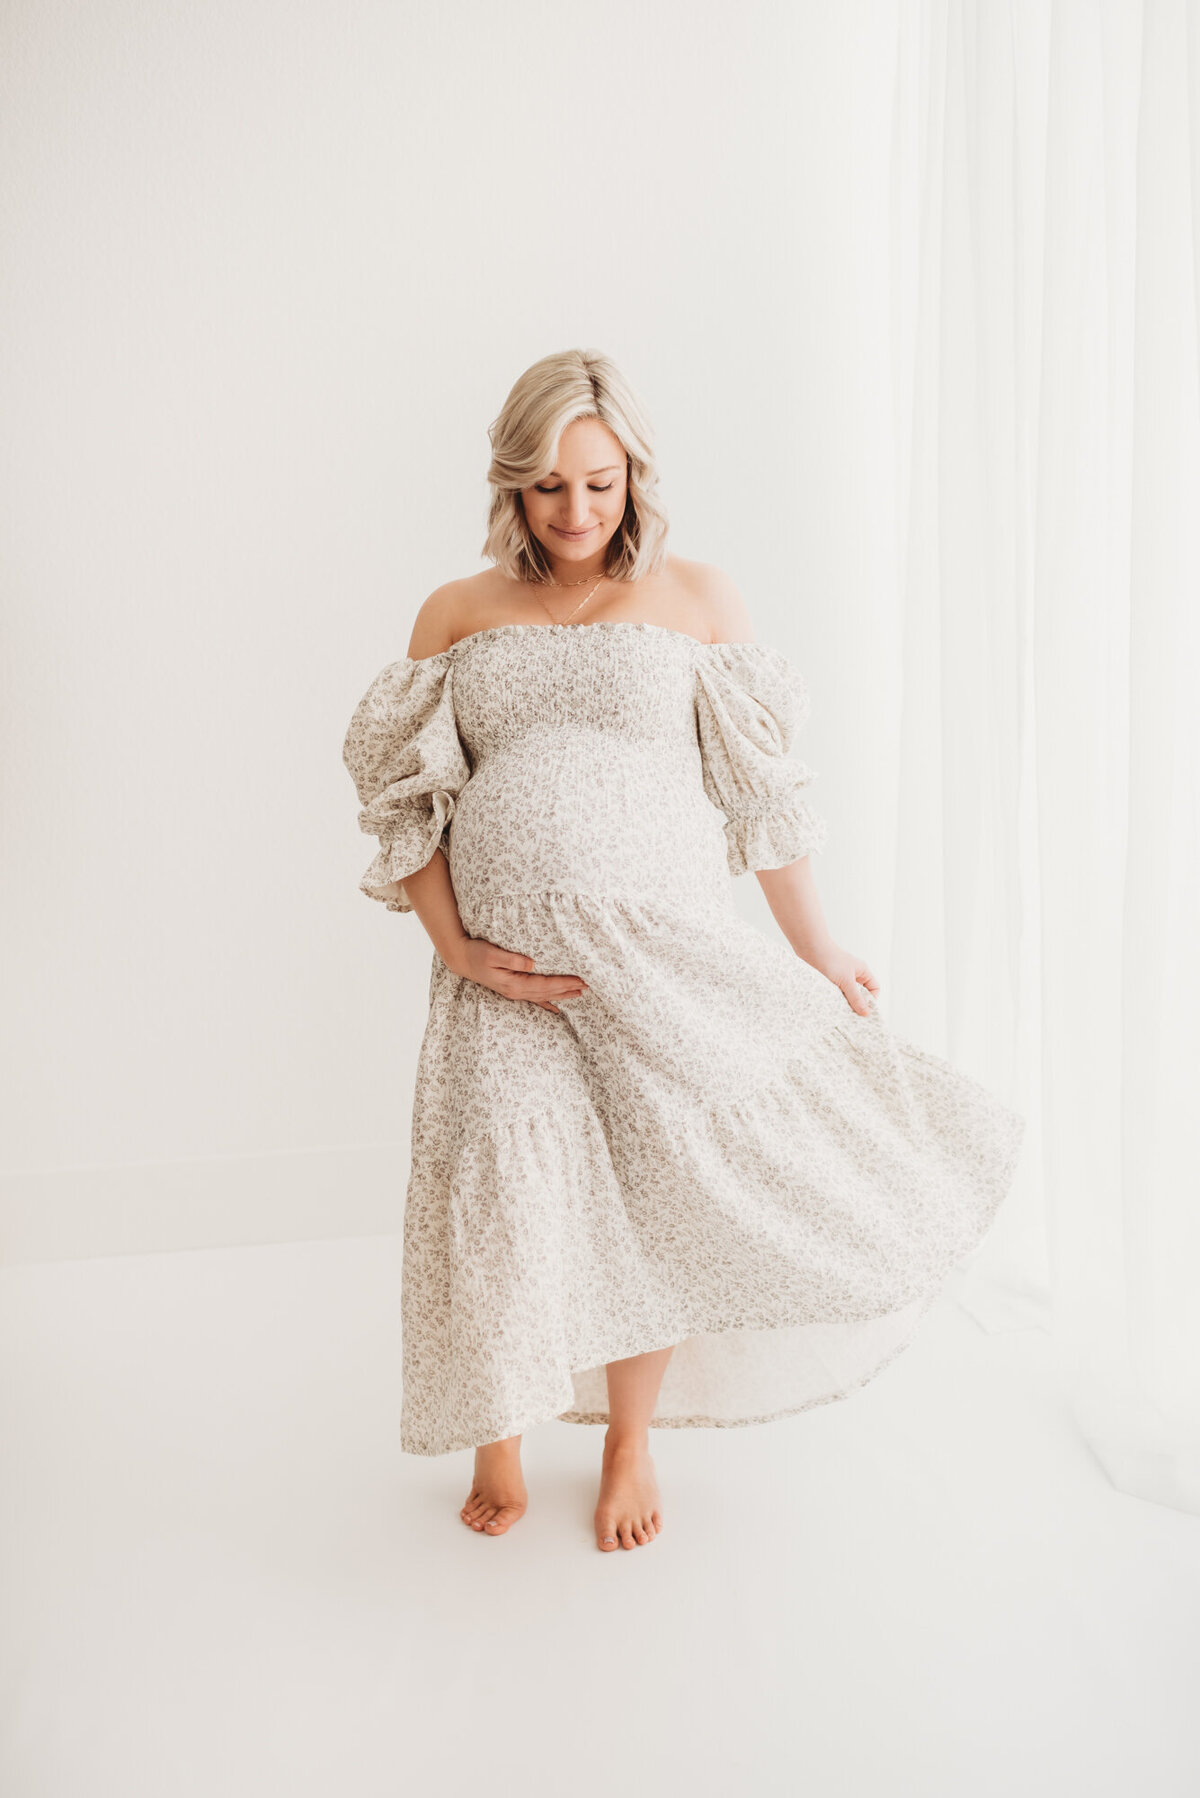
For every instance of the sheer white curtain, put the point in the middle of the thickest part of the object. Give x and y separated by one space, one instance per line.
1046 298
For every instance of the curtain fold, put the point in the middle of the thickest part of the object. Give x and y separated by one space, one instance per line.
1045 239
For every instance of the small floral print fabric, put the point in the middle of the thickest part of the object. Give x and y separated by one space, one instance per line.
707 1147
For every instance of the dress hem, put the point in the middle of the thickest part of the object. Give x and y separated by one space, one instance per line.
565 1414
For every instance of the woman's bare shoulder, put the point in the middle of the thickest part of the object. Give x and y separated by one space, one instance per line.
450 611
718 601
433 626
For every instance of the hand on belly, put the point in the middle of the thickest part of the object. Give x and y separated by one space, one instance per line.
508 973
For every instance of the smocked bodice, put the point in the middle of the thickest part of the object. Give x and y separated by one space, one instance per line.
517 686
619 758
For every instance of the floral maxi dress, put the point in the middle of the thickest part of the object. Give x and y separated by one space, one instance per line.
707 1147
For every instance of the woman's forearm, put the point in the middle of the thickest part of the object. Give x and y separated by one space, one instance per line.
791 893
430 892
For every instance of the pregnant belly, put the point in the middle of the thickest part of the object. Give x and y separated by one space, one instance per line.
637 824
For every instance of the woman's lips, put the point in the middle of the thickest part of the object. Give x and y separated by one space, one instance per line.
575 534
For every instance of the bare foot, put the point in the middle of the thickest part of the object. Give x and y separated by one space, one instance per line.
627 1511
497 1496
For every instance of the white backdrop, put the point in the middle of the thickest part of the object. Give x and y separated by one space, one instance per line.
270 272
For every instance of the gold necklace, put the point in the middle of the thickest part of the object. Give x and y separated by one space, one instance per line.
578 608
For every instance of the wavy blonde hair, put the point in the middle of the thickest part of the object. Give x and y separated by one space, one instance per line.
525 436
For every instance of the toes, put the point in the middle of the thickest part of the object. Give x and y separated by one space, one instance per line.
482 1515
606 1535
626 1535
492 1520
639 1534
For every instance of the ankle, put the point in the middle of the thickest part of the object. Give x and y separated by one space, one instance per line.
626 1439
507 1449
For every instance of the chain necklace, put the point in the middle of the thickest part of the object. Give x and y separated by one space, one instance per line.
578 608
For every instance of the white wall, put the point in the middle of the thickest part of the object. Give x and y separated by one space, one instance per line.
269 273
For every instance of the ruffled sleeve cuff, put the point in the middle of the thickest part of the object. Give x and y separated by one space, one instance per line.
408 764
405 849
750 704
773 838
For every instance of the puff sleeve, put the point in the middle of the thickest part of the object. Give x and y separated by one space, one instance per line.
750 704
406 759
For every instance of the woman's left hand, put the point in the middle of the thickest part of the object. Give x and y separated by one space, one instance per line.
849 972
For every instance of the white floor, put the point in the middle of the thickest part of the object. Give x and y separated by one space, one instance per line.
222 1578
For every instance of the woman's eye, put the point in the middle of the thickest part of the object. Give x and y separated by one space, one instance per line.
591 489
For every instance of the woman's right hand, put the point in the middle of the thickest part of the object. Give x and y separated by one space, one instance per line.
508 973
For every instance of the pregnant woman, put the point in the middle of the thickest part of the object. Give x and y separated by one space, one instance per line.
665 1170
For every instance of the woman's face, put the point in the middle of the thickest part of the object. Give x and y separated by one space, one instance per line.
575 510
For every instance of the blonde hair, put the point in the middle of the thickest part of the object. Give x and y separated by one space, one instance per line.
548 397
